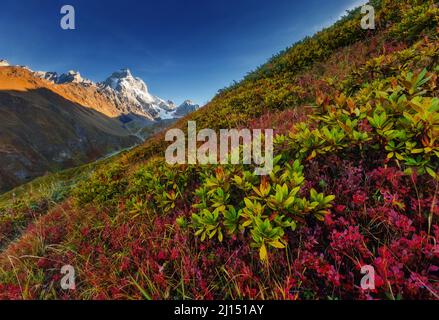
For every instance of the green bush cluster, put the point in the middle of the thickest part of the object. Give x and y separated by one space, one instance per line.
104 186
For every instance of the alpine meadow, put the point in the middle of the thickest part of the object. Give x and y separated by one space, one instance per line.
353 191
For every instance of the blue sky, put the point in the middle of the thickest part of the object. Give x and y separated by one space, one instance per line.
183 49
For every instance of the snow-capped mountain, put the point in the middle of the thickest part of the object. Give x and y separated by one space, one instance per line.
185 108
73 77
91 118
63 125
49 76
69 77
133 93
130 94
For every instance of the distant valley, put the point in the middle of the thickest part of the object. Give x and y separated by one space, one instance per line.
55 121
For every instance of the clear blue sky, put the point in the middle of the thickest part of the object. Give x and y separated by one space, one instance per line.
181 48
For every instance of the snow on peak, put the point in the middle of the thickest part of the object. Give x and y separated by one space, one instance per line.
121 74
133 93
130 94
123 82
126 73
4 63
185 108
72 77
49 76
69 77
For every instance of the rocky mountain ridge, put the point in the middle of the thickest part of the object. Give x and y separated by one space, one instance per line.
130 94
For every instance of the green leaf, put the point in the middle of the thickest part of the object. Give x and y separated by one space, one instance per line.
263 255
248 203
220 236
432 173
277 244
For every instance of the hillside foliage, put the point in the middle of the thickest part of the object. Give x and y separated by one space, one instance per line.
355 182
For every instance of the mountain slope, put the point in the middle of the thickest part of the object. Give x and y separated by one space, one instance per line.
127 95
46 128
90 119
185 108
133 93
355 184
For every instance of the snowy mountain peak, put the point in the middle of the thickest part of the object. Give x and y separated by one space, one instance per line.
49 76
126 73
129 93
4 63
133 93
188 102
72 77
123 80
122 74
69 77
185 108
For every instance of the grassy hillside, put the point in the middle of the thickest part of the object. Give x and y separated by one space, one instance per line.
26 203
355 183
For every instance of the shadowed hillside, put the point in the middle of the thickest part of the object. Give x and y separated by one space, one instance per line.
42 132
